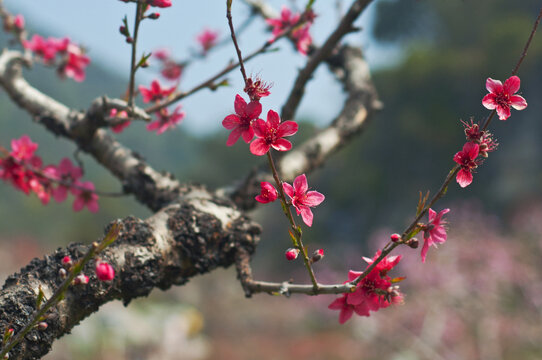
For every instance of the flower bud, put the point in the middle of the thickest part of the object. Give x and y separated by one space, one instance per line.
129 39
317 255
18 22
154 16
104 271
413 243
123 31
67 261
395 237
42 326
62 273
291 253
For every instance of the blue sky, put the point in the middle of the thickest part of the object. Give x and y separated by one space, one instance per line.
95 24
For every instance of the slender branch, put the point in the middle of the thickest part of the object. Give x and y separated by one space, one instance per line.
319 55
133 66
234 39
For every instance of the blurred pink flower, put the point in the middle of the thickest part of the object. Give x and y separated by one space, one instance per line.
434 232
85 196
166 121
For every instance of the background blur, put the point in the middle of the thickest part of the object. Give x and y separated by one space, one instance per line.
477 297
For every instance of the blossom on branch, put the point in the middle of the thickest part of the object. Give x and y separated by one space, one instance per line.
373 292
23 148
85 196
68 174
166 121
256 89
434 232
75 64
501 97
302 199
268 193
270 134
155 92
160 3
104 271
300 34
240 123
466 158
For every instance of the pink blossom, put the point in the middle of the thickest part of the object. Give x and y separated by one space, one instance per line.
104 271
118 128
15 173
67 261
85 196
373 292
207 39
466 158
18 21
161 54
281 23
67 174
346 310
166 121
23 148
155 92
501 97
241 122
81 279
76 63
303 39
268 193
256 89
160 3
270 133
434 232
287 19
291 254
41 47
302 199
171 70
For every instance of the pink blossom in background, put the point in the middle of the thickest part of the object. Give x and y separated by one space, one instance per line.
18 22
501 97
287 19
23 148
76 63
120 127
302 199
303 39
160 3
41 47
161 54
434 232
166 121
207 39
346 310
171 70
466 158
85 196
104 271
240 123
270 134
281 23
268 193
155 92
68 174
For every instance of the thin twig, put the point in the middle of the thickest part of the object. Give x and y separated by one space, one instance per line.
133 67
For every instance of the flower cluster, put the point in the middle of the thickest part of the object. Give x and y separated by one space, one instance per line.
300 34
375 291
164 119
170 69
72 58
25 171
480 142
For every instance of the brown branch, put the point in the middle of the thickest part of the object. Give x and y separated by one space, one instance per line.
319 55
174 245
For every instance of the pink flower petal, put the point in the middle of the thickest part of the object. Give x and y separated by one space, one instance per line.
345 315
234 136
282 145
273 118
231 121
464 178
518 102
253 109
511 85
300 184
314 198
248 134
287 128
239 105
288 189
259 147
260 128
306 215
503 112
489 101
493 86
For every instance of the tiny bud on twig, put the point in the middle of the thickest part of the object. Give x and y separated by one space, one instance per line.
395 237
317 255
413 243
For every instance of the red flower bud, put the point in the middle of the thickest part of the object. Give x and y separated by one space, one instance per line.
395 237
80 279
291 253
317 255
67 261
104 271
154 16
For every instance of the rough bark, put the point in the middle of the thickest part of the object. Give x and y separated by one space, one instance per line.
180 241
